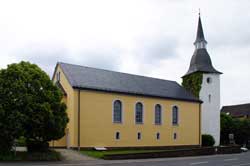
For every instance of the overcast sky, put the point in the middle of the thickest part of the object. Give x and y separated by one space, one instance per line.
147 37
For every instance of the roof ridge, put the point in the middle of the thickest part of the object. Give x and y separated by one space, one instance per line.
237 105
117 72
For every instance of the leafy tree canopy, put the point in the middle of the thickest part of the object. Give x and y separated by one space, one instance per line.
239 127
31 101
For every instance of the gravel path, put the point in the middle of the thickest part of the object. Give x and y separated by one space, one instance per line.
73 155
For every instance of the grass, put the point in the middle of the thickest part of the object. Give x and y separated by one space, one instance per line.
101 154
51 155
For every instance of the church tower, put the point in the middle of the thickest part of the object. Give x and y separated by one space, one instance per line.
203 80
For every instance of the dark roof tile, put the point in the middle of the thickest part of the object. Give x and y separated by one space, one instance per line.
105 80
237 110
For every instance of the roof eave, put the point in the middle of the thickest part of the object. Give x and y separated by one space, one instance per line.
138 94
212 72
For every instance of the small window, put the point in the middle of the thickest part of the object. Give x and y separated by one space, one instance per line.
117 135
58 75
209 80
209 98
175 136
138 135
175 115
158 115
157 136
117 111
139 113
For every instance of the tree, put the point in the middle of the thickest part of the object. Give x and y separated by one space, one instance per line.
242 131
11 119
227 127
239 127
32 95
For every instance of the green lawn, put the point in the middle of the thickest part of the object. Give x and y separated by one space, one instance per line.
34 156
101 154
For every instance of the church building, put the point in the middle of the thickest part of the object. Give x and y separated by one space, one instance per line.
113 109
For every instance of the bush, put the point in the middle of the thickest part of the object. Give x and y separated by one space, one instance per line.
50 155
207 140
36 146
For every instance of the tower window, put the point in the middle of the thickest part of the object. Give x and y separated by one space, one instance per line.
209 80
138 135
209 98
157 136
117 135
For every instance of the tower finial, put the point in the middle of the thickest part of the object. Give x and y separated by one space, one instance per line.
199 12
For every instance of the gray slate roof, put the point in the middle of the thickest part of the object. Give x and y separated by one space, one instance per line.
201 61
200 35
81 77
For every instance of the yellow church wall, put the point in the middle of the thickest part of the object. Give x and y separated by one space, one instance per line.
98 130
69 101
97 127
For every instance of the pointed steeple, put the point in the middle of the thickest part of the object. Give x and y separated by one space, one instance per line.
200 41
201 61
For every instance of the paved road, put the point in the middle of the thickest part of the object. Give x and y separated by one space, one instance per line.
242 159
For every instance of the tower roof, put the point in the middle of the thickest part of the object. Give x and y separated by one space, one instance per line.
200 35
201 61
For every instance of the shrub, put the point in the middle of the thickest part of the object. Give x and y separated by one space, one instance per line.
207 140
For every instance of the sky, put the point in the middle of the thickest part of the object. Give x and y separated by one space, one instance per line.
146 37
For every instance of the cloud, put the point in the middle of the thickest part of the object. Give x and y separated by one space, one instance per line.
107 57
146 37
155 49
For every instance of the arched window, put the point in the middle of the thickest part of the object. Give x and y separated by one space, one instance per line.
139 113
117 112
158 114
175 115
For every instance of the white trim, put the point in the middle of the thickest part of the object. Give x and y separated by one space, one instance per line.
113 102
178 116
143 107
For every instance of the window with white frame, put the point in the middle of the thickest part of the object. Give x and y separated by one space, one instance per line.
117 111
158 114
175 115
138 113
